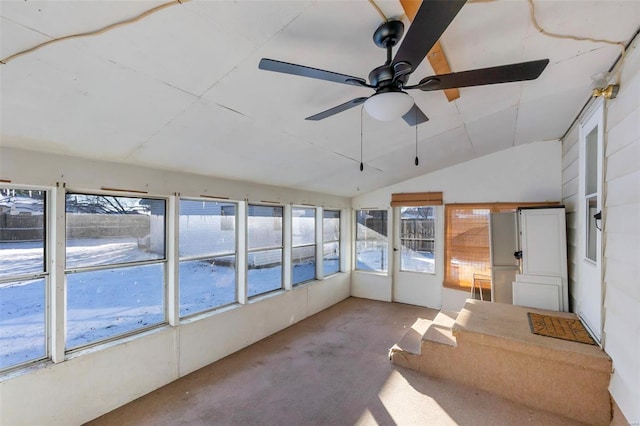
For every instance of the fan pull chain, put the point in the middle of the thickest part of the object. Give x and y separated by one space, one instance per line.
415 110
361 163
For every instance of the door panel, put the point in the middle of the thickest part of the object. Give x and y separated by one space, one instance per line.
590 224
417 266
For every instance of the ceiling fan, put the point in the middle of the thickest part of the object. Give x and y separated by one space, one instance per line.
390 101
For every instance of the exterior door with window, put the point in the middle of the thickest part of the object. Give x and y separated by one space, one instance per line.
590 221
414 265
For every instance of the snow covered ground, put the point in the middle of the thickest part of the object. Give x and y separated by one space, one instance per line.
102 304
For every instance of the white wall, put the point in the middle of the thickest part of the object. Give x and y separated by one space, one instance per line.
95 381
530 172
621 233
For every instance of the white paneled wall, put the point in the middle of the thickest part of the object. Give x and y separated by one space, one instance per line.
621 233
622 238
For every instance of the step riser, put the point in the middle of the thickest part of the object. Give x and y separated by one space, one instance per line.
560 388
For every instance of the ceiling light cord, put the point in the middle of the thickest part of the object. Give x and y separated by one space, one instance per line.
95 32
415 110
532 14
377 8
361 158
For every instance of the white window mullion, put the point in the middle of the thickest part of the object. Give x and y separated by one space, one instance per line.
320 243
57 250
287 243
173 265
241 253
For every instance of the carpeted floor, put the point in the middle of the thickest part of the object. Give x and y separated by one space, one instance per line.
330 369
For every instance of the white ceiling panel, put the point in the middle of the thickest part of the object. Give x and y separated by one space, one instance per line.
181 89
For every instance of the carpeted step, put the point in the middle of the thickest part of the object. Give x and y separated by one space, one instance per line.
406 353
440 330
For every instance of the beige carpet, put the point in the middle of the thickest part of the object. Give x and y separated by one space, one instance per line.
331 369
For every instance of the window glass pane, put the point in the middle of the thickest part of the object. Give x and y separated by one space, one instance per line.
264 272
107 230
331 258
331 225
417 239
372 224
264 225
22 231
592 209
111 302
206 284
303 226
371 244
371 255
207 228
591 162
303 260
22 322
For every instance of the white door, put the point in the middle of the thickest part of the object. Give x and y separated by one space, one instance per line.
415 273
590 221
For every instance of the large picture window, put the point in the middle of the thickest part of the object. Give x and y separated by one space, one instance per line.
23 276
303 250
417 239
371 240
207 253
331 242
467 241
264 249
115 255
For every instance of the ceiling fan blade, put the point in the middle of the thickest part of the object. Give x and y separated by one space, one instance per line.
502 74
336 109
431 20
415 116
304 71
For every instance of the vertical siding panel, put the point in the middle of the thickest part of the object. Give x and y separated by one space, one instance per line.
622 238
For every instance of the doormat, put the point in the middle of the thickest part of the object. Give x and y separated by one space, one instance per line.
559 328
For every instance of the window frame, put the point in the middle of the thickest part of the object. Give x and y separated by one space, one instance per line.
495 207
249 250
356 240
314 244
164 261
45 274
337 241
432 240
181 259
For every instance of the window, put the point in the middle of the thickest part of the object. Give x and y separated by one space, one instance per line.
417 239
23 276
303 250
467 241
207 251
115 256
264 249
591 193
331 242
371 240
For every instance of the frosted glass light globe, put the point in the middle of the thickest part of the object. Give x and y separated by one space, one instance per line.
388 106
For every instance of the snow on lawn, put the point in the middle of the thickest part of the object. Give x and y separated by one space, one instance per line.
103 304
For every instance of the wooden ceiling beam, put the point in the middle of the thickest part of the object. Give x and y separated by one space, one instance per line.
436 56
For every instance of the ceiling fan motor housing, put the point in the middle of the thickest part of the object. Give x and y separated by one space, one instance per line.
388 34
381 75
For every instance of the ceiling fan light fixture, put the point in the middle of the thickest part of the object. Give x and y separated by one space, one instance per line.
388 106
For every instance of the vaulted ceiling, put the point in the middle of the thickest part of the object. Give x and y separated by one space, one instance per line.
181 89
